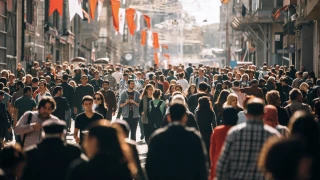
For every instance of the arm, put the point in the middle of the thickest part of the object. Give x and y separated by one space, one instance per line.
114 102
23 127
141 107
75 135
123 102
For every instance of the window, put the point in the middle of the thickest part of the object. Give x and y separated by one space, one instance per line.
56 20
29 11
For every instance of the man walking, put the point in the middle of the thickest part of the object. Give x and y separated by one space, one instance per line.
239 157
68 93
110 99
62 104
51 158
43 92
86 118
18 93
81 91
175 151
129 102
96 82
29 126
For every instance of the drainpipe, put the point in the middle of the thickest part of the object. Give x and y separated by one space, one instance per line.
23 25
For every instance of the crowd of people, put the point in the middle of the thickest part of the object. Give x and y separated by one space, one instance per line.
199 122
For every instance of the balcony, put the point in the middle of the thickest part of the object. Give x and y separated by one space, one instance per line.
312 10
90 31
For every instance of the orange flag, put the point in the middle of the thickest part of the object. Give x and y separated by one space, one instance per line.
115 6
166 56
156 58
143 38
165 46
130 20
156 41
56 5
93 6
148 21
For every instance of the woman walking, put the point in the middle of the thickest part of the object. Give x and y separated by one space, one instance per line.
146 97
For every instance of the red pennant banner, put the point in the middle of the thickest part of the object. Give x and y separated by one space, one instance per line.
156 58
93 6
166 56
143 38
148 21
130 20
56 5
115 6
165 46
156 41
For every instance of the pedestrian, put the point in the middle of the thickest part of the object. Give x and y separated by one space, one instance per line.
177 152
183 82
157 110
193 100
296 103
238 159
5 124
11 84
99 105
50 158
19 91
42 93
192 89
232 101
85 118
110 100
96 82
20 71
253 90
229 119
109 156
145 98
29 126
129 102
271 118
81 91
61 102
12 162
112 81
218 106
273 98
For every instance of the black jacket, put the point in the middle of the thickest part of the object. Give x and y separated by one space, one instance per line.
61 108
68 92
177 153
190 123
193 101
80 92
4 120
50 160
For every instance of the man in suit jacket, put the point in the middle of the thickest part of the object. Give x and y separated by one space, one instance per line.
50 158
175 151
254 90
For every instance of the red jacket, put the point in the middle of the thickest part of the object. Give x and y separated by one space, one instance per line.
218 137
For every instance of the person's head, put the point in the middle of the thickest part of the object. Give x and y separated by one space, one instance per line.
255 109
222 98
304 126
181 75
147 91
179 88
232 100
46 106
229 116
2 95
84 79
98 99
12 77
27 90
58 91
87 103
192 89
28 78
12 161
273 98
201 72
284 159
304 87
42 86
19 85
156 94
245 77
96 75
73 83
226 85
262 82
65 77
171 89
124 126
295 95
105 84
203 87
317 108
271 116
178 113
54 129
131 84
236 83
254 83
204 102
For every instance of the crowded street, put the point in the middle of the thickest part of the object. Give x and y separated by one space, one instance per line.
159 90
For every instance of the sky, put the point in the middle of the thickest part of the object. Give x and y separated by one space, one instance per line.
203 9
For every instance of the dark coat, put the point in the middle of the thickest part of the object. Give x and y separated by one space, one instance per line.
62 107
50 160
282 116
254 91
193 101
102 166
68 92
190 123
177 153
111 101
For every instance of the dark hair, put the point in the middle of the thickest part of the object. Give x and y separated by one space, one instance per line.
144 92
2 93
130 80
204 103
228 83
177 111
218 87
56 90
181 75
35 80
125 74
179 86
156 93
26 89
20 84
44 83
230 116
84 76
222 97
189 89
152 82
103 102
10 157
65 77
46 100
1 85
236 83
87 98
124 126
294 94
105 82
203 86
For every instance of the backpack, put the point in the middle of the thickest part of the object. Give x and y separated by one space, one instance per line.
155 115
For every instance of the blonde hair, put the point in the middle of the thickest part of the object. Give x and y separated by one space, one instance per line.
304 84
229 100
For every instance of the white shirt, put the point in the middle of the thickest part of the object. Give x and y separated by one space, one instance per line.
184 84
41 96
117 75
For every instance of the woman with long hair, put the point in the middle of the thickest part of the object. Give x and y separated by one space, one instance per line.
217 91
170 91
110 157
273 98
229 119
206 119
232 101
99 104
146 97
271 118
218 106
191 90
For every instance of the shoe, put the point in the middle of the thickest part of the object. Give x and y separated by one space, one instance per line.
141 137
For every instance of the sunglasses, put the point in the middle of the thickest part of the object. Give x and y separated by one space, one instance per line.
98 99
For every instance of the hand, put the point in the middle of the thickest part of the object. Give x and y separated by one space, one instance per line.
77 139
142 113
113 113
128 101
131 101
75 110
36 126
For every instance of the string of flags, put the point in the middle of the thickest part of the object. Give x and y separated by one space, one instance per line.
120 17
